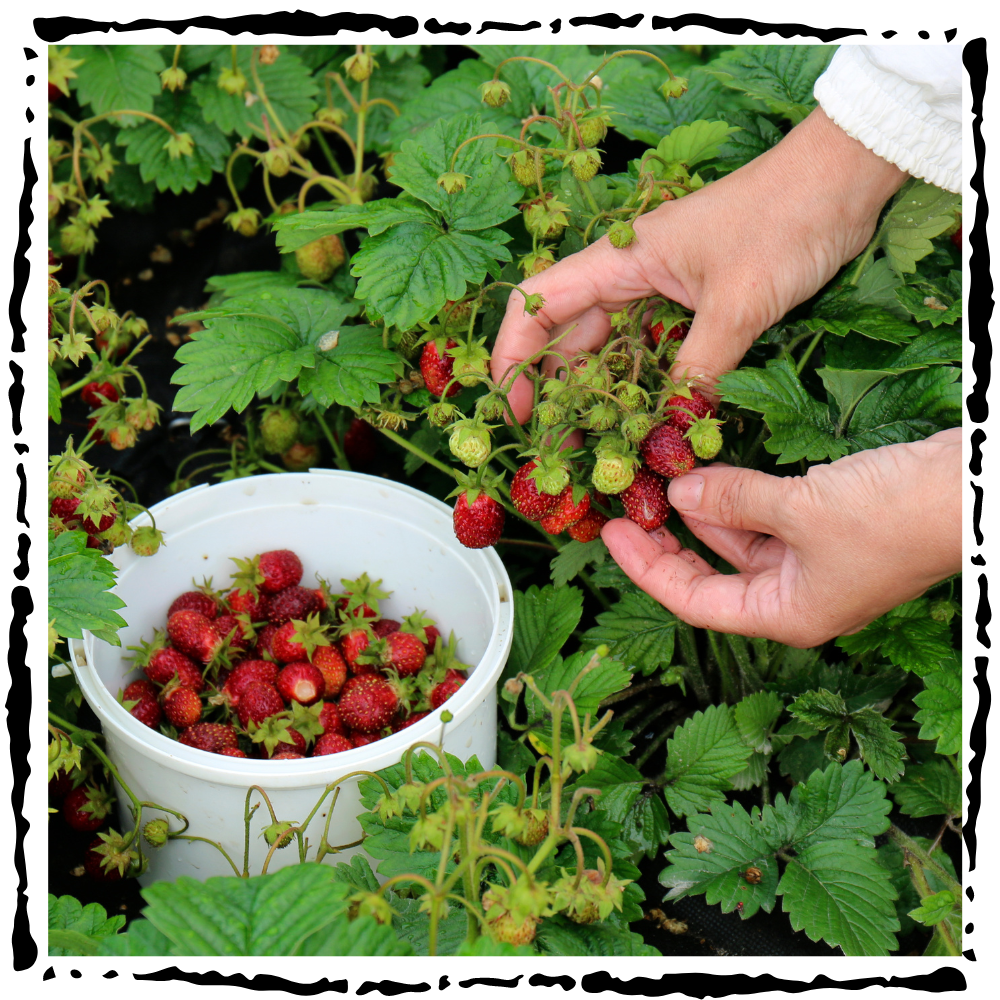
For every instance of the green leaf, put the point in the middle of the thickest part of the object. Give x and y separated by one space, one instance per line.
713 855
409 272
608 677
576 556
919 212
126 189
940 705
694 143
145 145
820 709
294 231
560 936
249 343
702 755
839 893
228 286
926 308
413 926
263 915
800 426
879 744
75 929
288 84
638 630
934 908
849 385
350 373
79 583
487 200
755 717
118 78
907 636
840 315
55 396
755 135
544 619
800 758
486 946
363 935
782 76
357 873
141 938
931 789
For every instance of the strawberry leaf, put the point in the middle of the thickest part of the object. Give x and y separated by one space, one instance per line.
754 134
82 928
544 619
693 143
575 556
118 78
940 705
362 936
609 677
351 372
919 212
907 636
931 789
294 231
54 396
638 630
840 315
80 580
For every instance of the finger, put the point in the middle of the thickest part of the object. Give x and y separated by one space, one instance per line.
589 333
597 275
727 497
746 551
735 603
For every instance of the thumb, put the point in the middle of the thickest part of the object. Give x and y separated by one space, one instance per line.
726 497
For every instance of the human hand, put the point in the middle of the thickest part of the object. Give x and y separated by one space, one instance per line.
740 252
819 555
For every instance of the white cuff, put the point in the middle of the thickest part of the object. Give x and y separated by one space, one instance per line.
906 109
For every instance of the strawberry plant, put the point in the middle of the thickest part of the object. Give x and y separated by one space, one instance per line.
639 758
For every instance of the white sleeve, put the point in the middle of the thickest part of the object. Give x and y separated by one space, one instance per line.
903 102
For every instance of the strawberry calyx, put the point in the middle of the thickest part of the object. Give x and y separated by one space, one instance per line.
360 598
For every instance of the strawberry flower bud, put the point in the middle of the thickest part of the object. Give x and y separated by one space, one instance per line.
146 540
173 78
674 87
496 93
621 234
359 66
232 81
277 161
245 221
452 181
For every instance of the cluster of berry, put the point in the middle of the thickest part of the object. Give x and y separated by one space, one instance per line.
280 671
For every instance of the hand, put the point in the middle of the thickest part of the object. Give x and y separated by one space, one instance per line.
819 555
740 252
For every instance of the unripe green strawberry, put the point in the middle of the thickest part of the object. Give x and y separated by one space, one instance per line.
155 832
277 161
553 476
674 87
279 429
315 262
584 163
636 427
118 534
472 362
705 437
470 443
142 414
301 456
246 221
442 413
335 116
633 396
359 66
173 78
491 407
456 315
453 182
146 540
232 81
592 372
550 412
621 234
942 610
496 93
546 218
593 128
122 436
535 263
522 166
77 238
613 473
602 416
619 363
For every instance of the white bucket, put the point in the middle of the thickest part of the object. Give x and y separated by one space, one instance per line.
340 524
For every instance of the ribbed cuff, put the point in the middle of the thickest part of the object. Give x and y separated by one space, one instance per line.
888 114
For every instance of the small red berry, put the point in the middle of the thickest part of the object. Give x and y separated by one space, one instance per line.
257 702
182 707
331 665
330 720
436 368
331 743
94 394
86 808
479 525
527 498
646 500
281 568
666 451
688 410
213 737
301 682
194 600
193 634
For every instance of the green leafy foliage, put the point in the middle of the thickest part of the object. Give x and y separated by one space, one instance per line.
79 583
907 636
919 212
931 789
75 929
638 630
545 618
574 557
940 705
118 78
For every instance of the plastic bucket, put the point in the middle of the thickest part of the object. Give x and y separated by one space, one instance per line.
340 524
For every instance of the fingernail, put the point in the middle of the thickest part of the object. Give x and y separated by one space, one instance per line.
685 493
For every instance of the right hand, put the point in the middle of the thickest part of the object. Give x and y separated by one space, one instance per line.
740 252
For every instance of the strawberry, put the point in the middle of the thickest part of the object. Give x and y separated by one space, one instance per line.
505 926
292 602
667 452
352 645
405 653
526 497
359 681
478 525
384 627
565 512
257 702
139 690
86 808
443 691
360 598
93 863
370 707
212 737
678 331
147 708
363 739
328 661
331 743
401 722
193 634
705 437
265 639
588 528
247 603
301 457
231 752
956 237
94 394
293 742
244 674
646 500
288 755
361 443
295 640
688 410
301 682
181 706
330 720
436 367
279 429
281 568
60 785
230 627
166 663
194 600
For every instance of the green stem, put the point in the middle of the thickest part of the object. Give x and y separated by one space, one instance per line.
217 846
339 455
689 650
270 466
808 351
419 452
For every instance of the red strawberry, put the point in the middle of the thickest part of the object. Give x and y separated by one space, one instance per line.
281 568
60 785
384 627
646 499
330 720
405 723
86 808
244 674
689 410
92 863
331 743
363 739
247 604
182 707
352 645
231 752
565 512
292 602
667 452
194 634
257 702
361 443
331 665
446 689
479 525
95 393
98 436
265 639
213 737
677 332
360 680
432 633
589 527
956 237
405 653
295 743
370 707
301 682
284 648
165 663
288 755
436 368
525 495
147 710
230 627
140 690
194 600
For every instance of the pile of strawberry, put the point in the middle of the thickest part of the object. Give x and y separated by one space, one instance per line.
269 668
